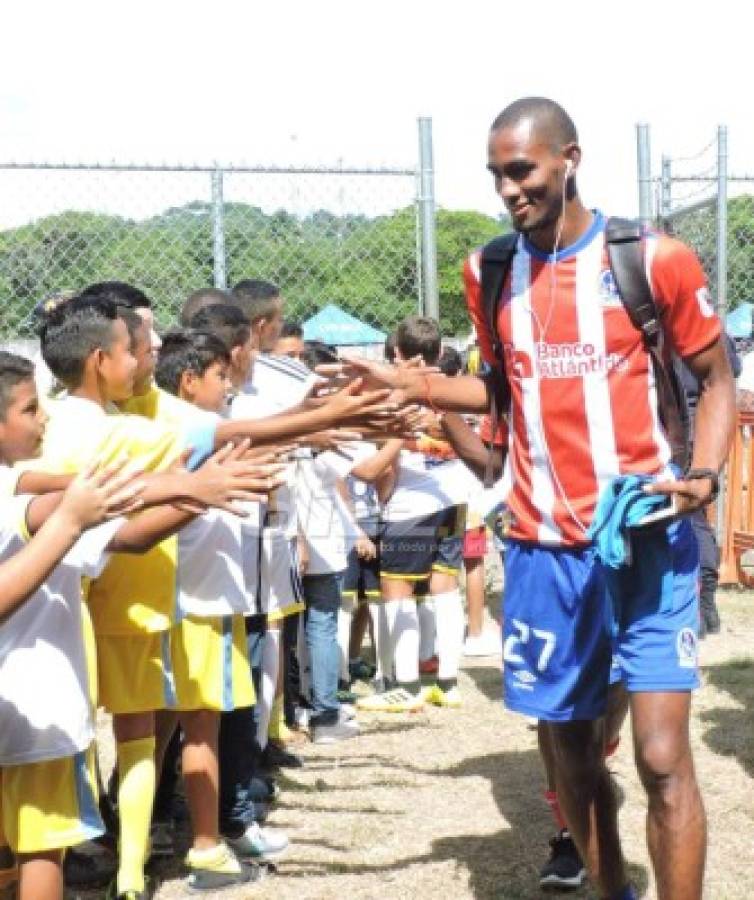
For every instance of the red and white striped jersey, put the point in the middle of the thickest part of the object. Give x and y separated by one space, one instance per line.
583 399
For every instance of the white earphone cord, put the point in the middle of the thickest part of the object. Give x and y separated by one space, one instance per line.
542 331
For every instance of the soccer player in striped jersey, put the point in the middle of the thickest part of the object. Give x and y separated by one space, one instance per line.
584 410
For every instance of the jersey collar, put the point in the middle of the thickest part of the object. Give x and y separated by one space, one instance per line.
597 227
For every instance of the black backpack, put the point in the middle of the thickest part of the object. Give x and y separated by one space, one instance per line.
626 254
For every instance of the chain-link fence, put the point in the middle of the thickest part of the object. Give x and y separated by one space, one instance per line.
347 236
712 210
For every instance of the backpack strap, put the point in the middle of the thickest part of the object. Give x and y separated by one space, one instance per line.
495 263
625 249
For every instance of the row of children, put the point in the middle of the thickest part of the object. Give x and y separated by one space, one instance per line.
250 521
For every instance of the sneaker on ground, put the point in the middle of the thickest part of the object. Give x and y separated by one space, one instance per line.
565 868
398 700
84 870
429 666
360 670
488 643
276 757
259 844
438 697
334 733
161 840
345 694
346 712
214 869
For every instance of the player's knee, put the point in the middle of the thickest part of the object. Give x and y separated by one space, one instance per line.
578 752
664 763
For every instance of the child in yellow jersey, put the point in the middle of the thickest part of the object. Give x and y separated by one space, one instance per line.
87 347
47 786
212 672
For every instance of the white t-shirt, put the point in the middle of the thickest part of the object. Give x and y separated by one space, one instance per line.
277 384
425 486
45 710
325 519
210 577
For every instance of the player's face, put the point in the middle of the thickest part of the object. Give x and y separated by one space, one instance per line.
210 391
241 361
270 330
117 366
23 429
528 177
145 353
290 346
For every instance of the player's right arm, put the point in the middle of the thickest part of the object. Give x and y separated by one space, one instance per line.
470 447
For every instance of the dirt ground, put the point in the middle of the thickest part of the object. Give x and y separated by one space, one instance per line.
448 803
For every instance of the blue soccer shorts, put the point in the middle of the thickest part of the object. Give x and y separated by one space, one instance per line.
569 620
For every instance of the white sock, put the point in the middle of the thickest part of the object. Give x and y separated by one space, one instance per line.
403 625
345 620
383 648
450 624
270 668
426 612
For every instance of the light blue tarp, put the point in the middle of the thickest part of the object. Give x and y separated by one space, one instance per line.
332 325
738 322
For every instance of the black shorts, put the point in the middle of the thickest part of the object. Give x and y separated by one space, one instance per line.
412 549
362 577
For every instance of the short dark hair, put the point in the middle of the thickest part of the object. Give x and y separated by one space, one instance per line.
292 329
120 293
70 333
550 120
390 347
257 299
419 336
14 369
450 362
226 322
317 353
201 299
187 350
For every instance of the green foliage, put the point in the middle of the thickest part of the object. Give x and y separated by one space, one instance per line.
368 266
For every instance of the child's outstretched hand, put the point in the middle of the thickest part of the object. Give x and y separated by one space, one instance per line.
99 493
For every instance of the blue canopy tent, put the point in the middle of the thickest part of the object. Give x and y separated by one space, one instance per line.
738 323
332 325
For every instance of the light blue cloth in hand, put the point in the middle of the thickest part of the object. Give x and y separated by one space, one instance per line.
623 504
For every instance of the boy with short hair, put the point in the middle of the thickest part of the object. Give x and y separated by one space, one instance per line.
212 600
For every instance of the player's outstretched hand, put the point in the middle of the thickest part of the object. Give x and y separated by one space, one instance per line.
227 478
353 405
99 493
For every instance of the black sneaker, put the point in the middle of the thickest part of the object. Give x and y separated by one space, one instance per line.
84 871
361 670
564 870
274 757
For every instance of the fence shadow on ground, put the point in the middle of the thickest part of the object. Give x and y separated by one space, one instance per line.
731 730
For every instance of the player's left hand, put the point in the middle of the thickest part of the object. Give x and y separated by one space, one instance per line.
689 495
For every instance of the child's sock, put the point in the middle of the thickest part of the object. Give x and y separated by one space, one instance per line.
383 650
449 618
425 611
270 668
403 618
136 787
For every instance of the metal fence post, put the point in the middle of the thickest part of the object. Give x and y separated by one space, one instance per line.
666 187
644 171
218 229
722 219
430 297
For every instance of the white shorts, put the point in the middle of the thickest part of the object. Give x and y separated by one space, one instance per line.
280 591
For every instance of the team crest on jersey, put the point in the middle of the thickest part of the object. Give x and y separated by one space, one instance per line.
686 645
608 289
